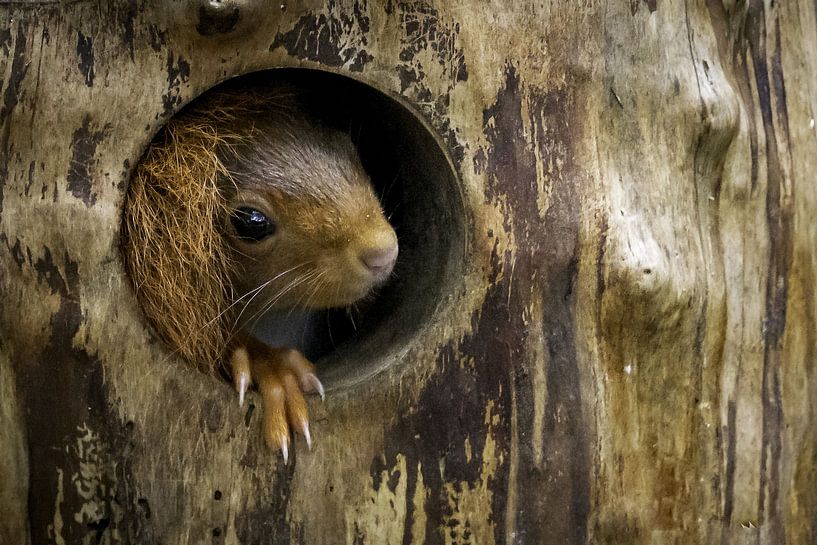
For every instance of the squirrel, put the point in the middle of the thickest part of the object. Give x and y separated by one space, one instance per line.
245 205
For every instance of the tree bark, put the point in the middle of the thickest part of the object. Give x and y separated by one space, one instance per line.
627 358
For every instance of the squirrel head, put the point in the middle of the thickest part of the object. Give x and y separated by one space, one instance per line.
304 224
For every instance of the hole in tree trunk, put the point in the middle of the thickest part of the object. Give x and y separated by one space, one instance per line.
421 197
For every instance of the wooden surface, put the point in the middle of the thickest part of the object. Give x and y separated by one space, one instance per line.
627 356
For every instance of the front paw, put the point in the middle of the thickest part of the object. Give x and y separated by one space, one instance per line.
282 375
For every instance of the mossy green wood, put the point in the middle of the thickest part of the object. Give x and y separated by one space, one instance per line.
627 356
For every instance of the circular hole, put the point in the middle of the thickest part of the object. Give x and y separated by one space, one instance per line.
419 194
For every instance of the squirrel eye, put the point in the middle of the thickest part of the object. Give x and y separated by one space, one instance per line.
251 224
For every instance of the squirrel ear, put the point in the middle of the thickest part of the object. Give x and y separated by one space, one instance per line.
247 103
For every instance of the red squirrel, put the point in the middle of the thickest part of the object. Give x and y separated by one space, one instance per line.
245 206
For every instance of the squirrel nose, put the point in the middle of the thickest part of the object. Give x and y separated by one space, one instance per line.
380 260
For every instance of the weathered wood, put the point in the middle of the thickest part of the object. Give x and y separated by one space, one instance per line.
628 354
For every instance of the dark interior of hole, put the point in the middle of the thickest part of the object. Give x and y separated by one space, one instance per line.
419 195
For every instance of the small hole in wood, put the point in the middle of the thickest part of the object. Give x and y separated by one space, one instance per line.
144 506
248 415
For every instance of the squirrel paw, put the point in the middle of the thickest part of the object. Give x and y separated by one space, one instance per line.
282 376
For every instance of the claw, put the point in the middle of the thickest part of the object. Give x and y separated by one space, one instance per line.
240 361
284 448
243 384
282 375
310 383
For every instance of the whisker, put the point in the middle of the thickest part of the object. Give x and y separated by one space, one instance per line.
393 210
247 304
386 191
316 286
238 318
234 303
295 283
329 329
352 318
268 306
309 282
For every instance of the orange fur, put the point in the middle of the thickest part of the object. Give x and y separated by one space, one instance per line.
177 259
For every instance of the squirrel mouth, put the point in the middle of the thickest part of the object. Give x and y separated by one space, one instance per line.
353 294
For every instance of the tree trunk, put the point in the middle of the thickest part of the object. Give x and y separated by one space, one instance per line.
627 356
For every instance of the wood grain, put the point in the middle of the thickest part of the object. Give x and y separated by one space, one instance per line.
627 356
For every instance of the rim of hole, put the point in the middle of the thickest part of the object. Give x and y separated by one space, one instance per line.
420 191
